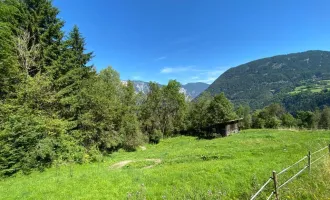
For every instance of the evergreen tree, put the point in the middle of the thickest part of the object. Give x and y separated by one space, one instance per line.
70 74
44 28
9 68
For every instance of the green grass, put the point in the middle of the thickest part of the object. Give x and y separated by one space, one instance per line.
224 168
315 87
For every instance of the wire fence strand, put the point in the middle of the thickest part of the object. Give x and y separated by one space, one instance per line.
294 176
320 150
319 158
270 196
260 190
290 179
286 169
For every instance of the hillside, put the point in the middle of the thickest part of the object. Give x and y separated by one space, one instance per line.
194 89
266 80
184 168
191 90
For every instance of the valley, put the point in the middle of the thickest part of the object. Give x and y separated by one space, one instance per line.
239 105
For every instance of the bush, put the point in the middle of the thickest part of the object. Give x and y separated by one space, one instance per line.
155 136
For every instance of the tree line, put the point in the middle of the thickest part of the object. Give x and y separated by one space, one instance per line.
276 116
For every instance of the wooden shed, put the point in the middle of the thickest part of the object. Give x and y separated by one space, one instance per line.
229 127
223 129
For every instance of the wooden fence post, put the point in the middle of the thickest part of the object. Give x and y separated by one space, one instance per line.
275 185
329 149
309 161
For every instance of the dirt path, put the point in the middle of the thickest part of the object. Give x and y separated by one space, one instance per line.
157 161
122 164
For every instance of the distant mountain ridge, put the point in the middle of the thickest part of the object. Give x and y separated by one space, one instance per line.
261 82
191 90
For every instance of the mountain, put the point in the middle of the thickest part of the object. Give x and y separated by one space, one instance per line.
191 90
194 89
261 82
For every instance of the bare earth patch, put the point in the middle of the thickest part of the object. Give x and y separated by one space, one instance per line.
122 164
157 161
143 148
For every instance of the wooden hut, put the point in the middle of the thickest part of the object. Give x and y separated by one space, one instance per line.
223 129
229 127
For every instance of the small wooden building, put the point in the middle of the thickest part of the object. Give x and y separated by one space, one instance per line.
229 127
223 129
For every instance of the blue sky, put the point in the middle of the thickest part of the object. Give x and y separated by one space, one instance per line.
194 40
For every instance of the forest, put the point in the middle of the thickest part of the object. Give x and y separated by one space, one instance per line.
55 106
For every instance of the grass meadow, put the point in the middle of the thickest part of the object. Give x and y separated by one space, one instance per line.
224 168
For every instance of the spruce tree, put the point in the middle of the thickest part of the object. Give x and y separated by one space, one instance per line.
71 71
44 27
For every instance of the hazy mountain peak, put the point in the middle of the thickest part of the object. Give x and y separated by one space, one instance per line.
191 90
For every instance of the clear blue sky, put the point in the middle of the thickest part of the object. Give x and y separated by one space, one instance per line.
194 40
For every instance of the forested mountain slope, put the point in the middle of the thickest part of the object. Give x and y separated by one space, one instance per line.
263 81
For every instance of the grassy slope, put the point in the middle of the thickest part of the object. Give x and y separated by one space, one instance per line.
230 168
316 87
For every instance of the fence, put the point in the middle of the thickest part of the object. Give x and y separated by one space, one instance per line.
274 178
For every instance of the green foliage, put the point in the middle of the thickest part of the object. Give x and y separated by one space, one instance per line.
220 110
155 136
100 108
324 122
151 109
32 140
306 101
257 120
306 119
288 120
130 127
243 112
44 26
9 68
164 109
173 108
270 117
198 111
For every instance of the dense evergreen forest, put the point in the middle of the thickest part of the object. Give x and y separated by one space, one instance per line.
55 107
